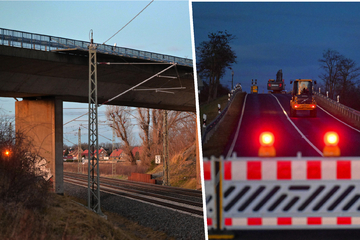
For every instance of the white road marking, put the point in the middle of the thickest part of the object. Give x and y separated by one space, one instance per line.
339 120
237 130
302 135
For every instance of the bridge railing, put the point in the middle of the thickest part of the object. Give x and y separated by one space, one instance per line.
347 112
41 42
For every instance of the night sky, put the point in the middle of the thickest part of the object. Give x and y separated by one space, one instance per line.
272 36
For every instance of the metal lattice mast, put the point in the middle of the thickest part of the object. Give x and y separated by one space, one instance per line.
93 164
79 149
166 179
113 148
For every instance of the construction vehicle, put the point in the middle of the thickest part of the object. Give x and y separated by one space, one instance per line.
254 87
302 98
278 85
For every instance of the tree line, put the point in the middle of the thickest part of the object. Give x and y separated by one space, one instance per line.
340 77
181 131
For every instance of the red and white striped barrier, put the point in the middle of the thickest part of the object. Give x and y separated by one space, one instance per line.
292 221
209 180
290 193
292 169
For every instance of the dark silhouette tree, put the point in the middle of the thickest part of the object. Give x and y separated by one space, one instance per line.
330 63
213 57
348 74
340 75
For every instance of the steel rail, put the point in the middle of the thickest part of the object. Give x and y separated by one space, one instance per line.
116 190
176 190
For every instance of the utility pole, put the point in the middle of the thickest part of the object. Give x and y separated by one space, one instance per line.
232 79
93 164
79 149
166 179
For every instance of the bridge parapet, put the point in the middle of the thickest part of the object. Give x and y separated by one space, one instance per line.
42 42
350 114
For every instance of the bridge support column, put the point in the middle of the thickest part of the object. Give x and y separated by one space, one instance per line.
42 122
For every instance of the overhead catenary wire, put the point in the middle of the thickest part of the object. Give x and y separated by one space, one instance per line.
156 75
129 21
111 99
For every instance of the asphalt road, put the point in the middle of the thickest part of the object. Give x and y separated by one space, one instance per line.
271 112
268 112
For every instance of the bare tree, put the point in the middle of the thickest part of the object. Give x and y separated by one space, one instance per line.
144 124
331 64
348 74
157 123
121 118
182 130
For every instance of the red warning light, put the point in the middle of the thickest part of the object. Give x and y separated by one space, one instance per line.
331 139
331 148
266 139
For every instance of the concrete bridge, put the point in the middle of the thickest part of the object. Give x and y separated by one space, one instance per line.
45 71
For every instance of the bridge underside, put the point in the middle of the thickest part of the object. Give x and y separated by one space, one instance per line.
33 74
45 79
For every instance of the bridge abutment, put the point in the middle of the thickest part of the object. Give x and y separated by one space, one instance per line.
42 122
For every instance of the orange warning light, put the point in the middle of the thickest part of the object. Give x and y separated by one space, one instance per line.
331 148
7 153
266 139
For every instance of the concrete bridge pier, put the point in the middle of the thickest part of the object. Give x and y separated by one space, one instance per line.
41 120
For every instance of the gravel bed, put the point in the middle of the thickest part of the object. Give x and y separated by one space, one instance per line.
174 224
156 191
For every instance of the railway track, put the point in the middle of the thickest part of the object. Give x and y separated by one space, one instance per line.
184 200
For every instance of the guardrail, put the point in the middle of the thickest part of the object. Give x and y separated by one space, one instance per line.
41 42
342 109
211 128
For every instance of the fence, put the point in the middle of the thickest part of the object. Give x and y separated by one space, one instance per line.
41 42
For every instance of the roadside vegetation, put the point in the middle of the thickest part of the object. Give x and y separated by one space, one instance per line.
340 77
211 110
29 211
215 146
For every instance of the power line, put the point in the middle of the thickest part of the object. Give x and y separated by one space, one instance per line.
129 22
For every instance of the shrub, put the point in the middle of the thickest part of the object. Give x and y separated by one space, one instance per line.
18 182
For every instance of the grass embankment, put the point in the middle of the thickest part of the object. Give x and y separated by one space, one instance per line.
215 146
211 109
65 219
182 169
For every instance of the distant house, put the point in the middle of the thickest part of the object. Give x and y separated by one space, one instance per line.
102 154
117 154
85 154
74 153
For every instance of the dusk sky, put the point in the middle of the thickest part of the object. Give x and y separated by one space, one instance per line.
163 27
288 36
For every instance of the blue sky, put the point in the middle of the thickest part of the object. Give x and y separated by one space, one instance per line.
271 36
163 27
